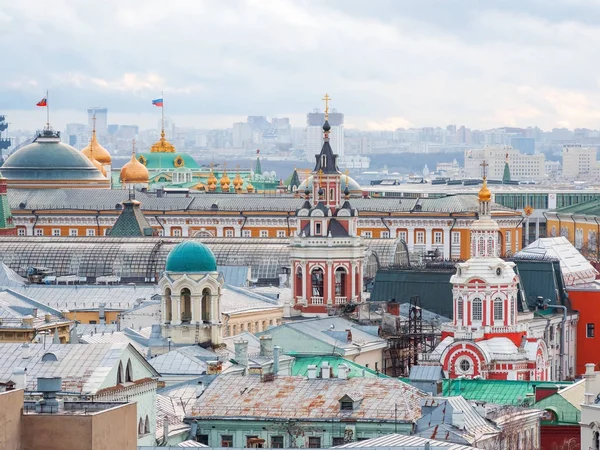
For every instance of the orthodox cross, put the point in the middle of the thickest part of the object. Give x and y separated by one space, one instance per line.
327 99
484 168
133 145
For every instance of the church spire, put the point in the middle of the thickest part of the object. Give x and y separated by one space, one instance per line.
326 159
506 175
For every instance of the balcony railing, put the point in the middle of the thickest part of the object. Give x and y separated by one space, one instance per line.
316 300
341 300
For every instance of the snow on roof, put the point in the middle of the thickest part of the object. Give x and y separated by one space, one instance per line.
575 268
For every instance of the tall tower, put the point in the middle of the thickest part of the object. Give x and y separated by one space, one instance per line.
327 256
485 338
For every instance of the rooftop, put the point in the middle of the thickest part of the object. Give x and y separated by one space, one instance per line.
301 363
402 442
15 307
384 399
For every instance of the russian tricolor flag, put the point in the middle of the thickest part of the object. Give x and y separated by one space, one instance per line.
157 102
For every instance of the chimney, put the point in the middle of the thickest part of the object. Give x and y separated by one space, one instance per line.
200 389
49 387
325 370
393 307
47 318
312 372
25 351
102 313
165 428
348 335
266 345
241 352
458 419
27 321
34 312
276 360
20 377
589 376
343 372
214 368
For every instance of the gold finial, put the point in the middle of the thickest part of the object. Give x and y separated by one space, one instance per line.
484 193
94 123
133 145
346 173
327 99
484 166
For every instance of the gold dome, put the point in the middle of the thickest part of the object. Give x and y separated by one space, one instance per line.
200 187
212 181
484 193
98 166
134 171
95 151
249 187
238 182
224 180
162 146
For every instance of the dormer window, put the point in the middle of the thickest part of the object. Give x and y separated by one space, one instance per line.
323 161
346 406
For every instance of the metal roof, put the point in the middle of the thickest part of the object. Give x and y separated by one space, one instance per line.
301 363
235 396
400 442
15 307
426 373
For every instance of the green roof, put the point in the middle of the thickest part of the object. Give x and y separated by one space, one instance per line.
564 412
131 222
191 256
506 175
301 364
5 212
257 166
157 161
589 207
501 392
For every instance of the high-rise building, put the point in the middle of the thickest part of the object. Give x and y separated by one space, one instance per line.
314 132
101 123
241 134
522 167
578 162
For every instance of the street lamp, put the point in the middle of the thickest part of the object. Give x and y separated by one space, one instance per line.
169 340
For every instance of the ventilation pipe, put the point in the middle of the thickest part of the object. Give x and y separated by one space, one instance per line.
276 350
266 345
241 352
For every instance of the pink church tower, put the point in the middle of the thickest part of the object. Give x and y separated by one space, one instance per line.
327 256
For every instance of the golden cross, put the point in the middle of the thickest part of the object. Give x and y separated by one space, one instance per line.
133 143
327 99
484 165
94 122
320 177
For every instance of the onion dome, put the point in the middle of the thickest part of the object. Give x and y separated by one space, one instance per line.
249 187
224 181
212 181
484 194
238 182
191 256
162 146
95 151
98 166
134 171
200 187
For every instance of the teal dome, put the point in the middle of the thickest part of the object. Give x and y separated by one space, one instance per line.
49 159
191 256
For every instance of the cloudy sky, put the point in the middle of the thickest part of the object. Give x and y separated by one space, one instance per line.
385 63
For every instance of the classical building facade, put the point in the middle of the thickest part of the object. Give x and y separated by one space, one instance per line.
486 338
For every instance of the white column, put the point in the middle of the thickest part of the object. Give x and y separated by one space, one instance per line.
330 282
176 306
447 242
196 308
410 239
304 275
214 308
353 279
537 228
428 238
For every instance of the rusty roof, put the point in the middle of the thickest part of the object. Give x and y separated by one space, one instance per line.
236 396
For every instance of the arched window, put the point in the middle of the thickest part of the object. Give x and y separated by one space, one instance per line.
340 282
498 309
206 310
298 289
186 305
316 277
596 440
490 247
129 372
141 427
481 247
477 310
147 426
120 373
168 313
459 308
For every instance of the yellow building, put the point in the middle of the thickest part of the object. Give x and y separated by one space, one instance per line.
580 224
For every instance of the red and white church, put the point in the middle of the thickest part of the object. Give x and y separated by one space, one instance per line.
485 338
327 255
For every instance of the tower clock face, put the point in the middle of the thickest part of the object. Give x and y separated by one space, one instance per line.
498 271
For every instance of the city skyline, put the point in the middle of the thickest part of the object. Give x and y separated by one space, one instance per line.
386 64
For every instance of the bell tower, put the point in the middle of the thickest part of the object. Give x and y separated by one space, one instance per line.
327 256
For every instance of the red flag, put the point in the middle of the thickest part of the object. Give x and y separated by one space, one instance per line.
257 151
42 102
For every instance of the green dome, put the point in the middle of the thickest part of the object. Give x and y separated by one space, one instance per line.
191 256
49 159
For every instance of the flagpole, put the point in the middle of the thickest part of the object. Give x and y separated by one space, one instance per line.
162 108
47 111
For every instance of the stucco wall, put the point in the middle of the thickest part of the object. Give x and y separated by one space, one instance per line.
10 420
